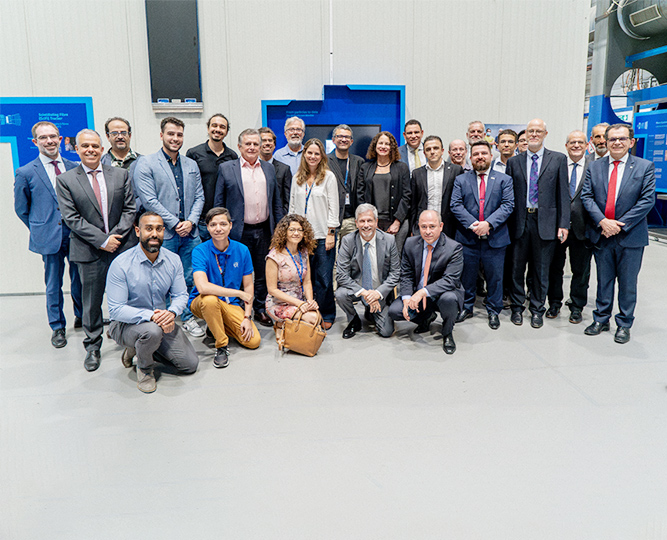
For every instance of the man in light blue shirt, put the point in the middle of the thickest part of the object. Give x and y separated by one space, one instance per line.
138 283
290 154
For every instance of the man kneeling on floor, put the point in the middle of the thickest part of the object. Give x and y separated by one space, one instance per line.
138 283
224 290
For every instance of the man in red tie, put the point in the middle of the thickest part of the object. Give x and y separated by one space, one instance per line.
618 193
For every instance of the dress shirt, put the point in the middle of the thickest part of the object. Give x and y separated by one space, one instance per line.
124 163
411 156
434 184
372 252
103 194
499 166
50 168
580 168
136 287
290 158
322 204
619 172
529 164
255 197
421 275
479 183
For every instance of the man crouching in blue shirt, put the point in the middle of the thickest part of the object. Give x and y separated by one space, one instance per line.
224 290
138 283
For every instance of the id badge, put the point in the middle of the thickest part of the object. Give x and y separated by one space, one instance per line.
347 199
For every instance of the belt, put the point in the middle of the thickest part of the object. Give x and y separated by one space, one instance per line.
531 210
256 225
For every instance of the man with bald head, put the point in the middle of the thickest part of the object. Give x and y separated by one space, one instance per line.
458 150
541 219
576 243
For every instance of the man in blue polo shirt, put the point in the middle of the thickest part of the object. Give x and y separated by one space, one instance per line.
224 290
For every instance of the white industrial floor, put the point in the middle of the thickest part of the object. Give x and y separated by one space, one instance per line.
522 434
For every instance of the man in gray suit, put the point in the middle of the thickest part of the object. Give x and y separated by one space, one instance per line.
368 268
169 184
97 204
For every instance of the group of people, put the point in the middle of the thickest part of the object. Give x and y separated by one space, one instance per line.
405 234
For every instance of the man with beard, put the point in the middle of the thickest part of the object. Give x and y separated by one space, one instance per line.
412 152
599 141
283 172
138 284
209 155
120 154
290 154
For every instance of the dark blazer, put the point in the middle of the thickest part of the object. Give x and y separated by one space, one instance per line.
229 194
400 192
350 261
578 215
419 203
498 206
83 216
284 179
36 204
445 271
553 197
353 165
634 201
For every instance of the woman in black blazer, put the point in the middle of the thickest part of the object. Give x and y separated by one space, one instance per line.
384 182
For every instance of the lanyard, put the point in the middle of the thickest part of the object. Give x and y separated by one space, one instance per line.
222 273
347 170
308 193
300 268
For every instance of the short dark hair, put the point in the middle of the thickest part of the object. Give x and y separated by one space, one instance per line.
433 138
480 143
518 135
146 213
412 122
267 130
119 119
217 211
631 131
171 120
509 132
208 122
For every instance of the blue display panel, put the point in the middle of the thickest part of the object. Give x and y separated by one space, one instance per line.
651 134
18 115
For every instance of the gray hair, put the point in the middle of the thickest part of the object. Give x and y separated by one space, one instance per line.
567 139
247 132
340 127
477 122
363 208
87 132
293 119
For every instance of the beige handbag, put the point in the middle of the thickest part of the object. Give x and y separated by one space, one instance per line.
300 336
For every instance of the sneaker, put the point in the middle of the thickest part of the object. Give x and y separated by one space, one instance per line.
192 328
221 359
146 381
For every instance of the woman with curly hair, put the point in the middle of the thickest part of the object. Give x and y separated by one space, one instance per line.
314 195
288 270
384 182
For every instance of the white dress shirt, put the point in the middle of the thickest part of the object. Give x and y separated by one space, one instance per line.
51 169
580 168
411 156
434 179
619 172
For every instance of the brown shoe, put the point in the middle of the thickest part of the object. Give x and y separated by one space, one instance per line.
128 354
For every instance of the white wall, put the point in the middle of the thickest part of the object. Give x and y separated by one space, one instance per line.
499 61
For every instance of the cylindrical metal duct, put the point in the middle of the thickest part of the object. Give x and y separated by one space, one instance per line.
642 19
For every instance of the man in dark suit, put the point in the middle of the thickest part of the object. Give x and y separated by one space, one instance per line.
247 187
541 218
412 152
431 268
345 167
576 243
482 201
367 269
283 172
432 186
97 204
618 193
36 204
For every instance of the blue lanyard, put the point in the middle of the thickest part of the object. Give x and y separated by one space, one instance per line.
347 170
308 192
300 268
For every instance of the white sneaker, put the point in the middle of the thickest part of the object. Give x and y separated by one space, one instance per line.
192 328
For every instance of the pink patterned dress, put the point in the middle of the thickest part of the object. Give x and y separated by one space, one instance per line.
288 282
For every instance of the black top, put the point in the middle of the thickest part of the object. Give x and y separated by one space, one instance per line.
208 164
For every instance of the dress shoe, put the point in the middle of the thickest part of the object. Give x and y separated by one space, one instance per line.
58 338
448 344
352 328
596 328
326 325
262 318
92 361
494 321
622 334
78 323
106 322
128 354
465 314
575 316
536 320
553 311
146 381
516 318
425 325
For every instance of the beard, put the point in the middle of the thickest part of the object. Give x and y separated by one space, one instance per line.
481 166
151 248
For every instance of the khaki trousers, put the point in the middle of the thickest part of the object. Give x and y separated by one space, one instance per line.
223 320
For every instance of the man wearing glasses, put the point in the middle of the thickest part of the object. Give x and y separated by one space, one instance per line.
290 154
119 133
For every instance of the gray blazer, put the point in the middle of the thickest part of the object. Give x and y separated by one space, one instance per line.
156 187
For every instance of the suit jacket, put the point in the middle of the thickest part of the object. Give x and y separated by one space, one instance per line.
106 160
156 187
284 180
498 206
82 214
400 192
578 215
350 261
553 198
445 271
36 204
419 203
634 200
229 194
403 151
353 165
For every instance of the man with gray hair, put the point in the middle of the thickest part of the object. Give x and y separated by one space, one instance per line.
599 141
290 154
247 187
368 268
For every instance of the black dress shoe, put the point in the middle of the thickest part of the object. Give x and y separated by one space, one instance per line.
575 316
465 314
92 361
58 338
516 318
262 318
78 323
106 322
536 320
494 321
553 311
622 334
596 328
448 344
352 328
425 325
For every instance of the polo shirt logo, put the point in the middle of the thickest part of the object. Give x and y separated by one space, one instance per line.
236 264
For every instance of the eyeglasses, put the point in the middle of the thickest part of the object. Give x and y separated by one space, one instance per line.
292 230
344 137
116 133
294 130
618 139
534 131
47 137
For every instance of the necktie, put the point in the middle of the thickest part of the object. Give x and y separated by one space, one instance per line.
573 180
418 162
610 207
482 195
427 267
532 191
366 270
96 189
55 166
